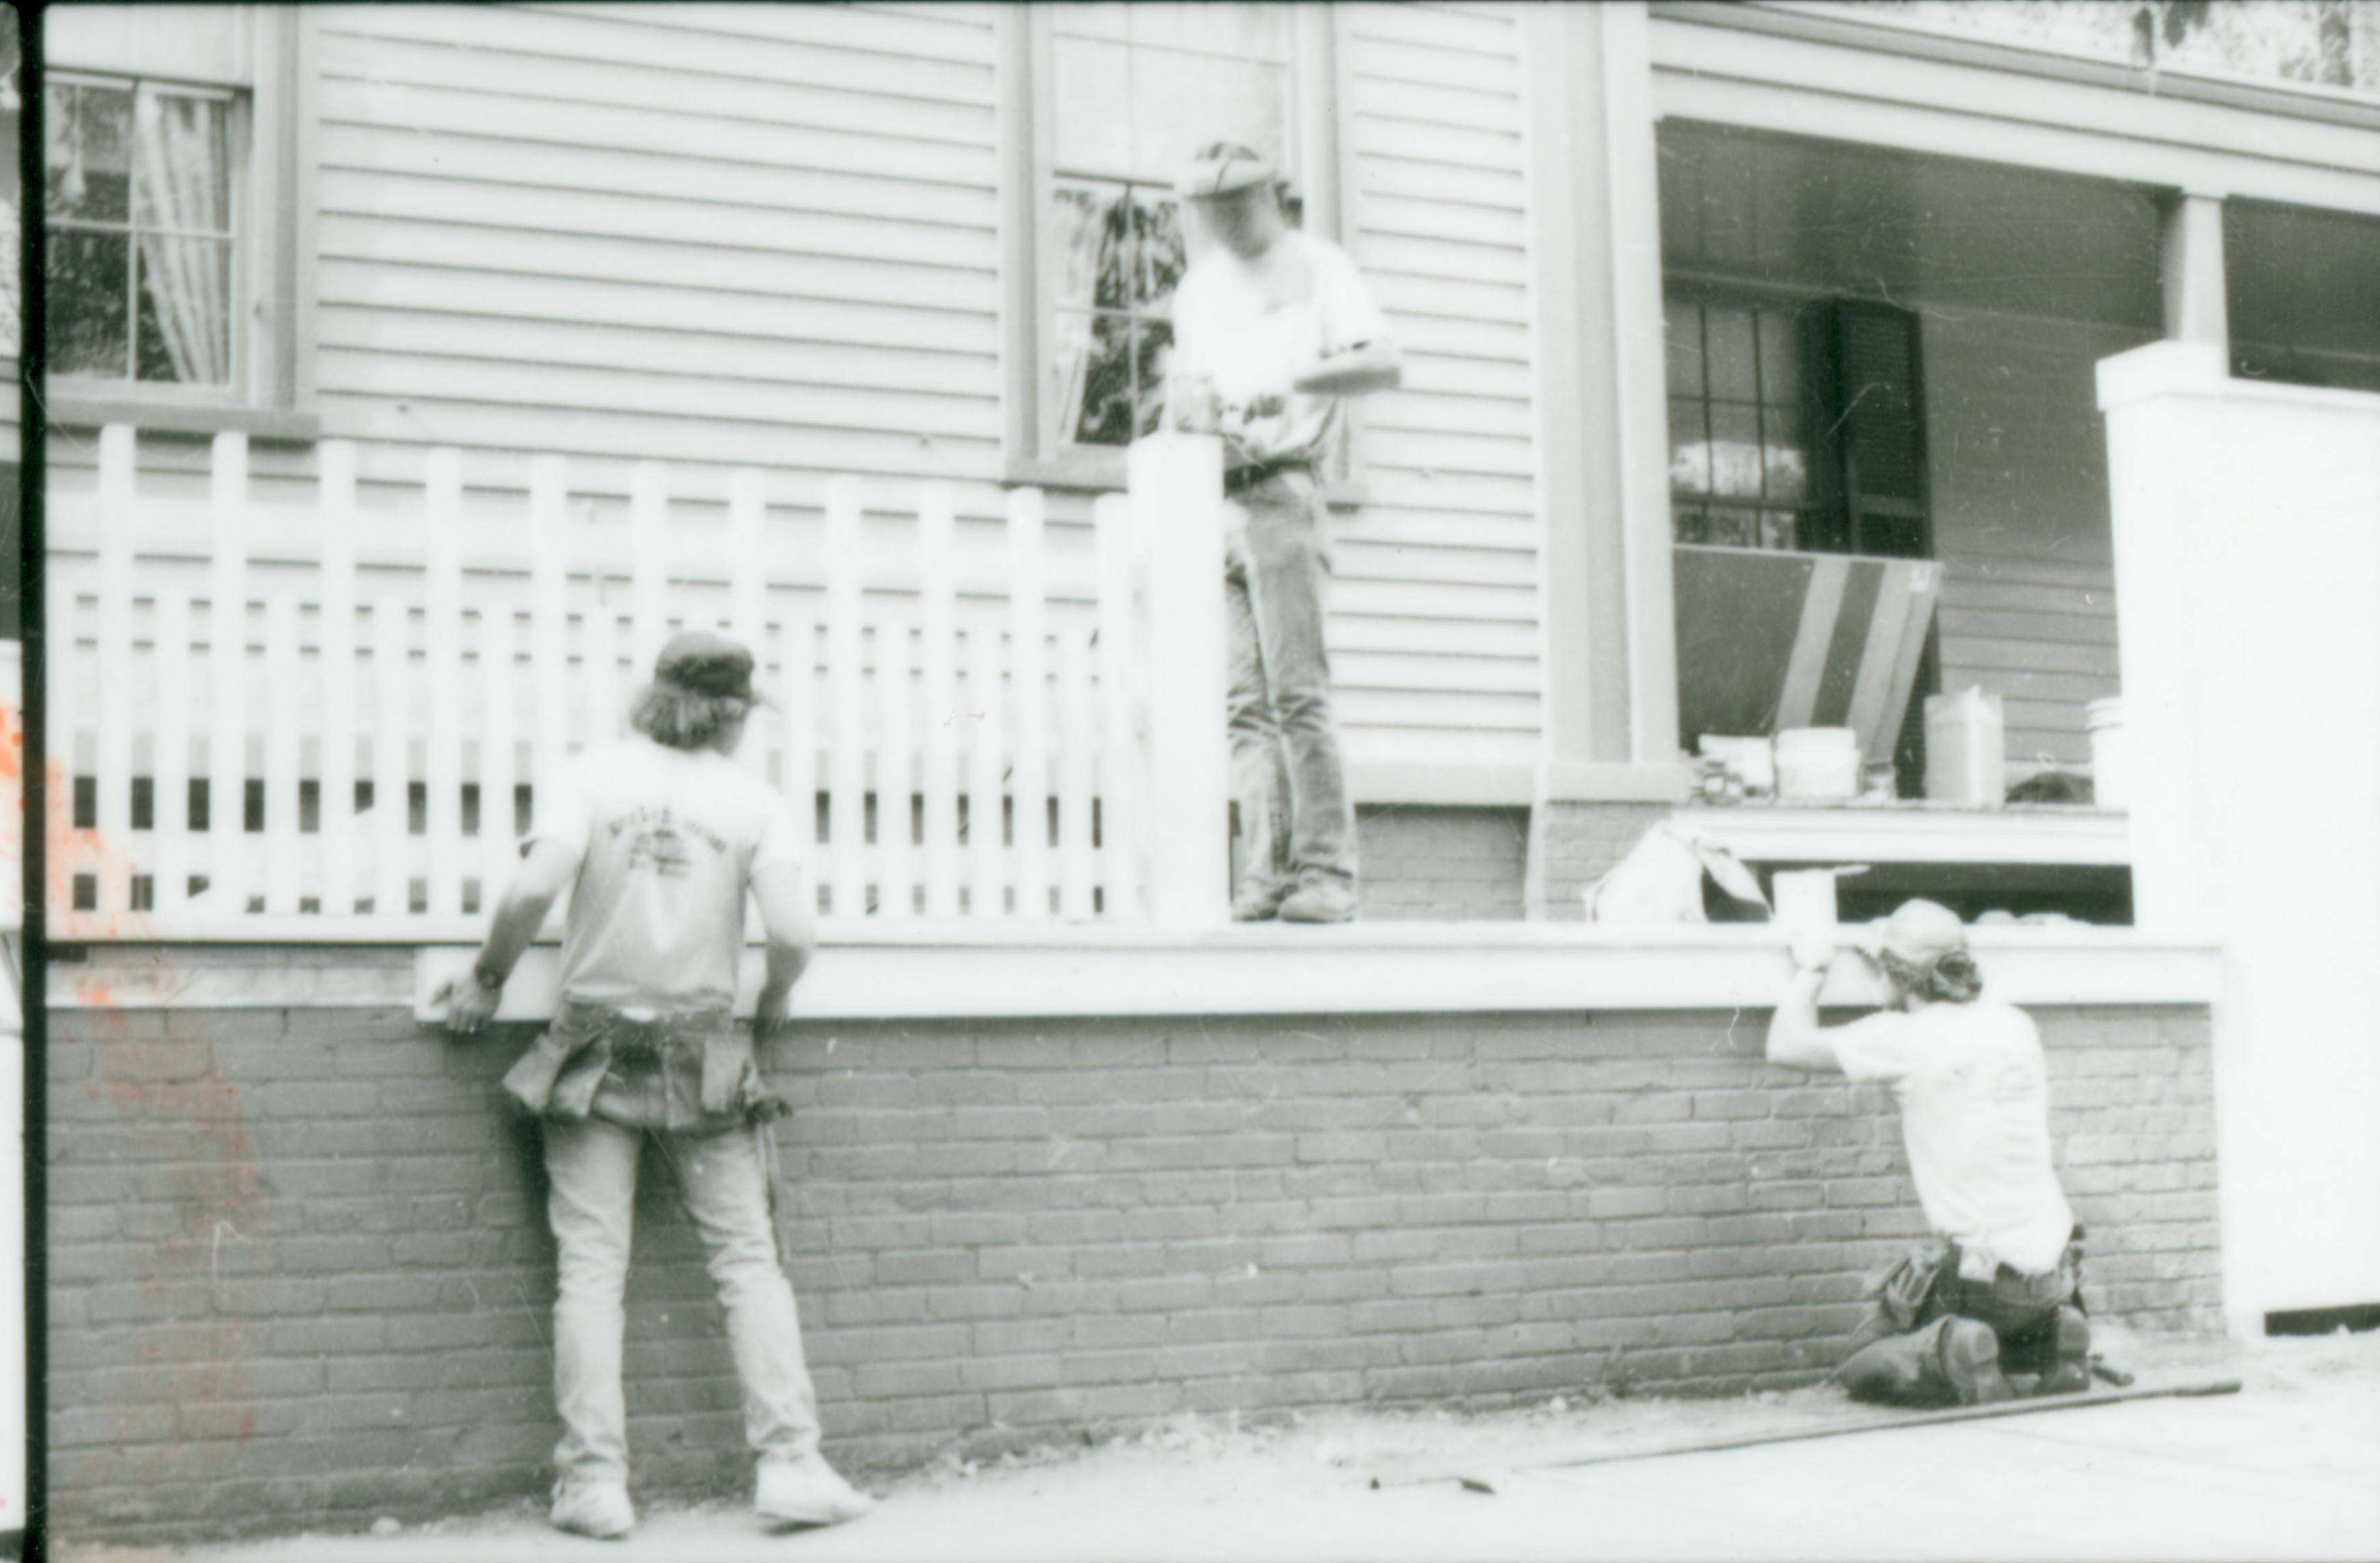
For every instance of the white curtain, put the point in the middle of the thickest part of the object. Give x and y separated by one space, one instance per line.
180 184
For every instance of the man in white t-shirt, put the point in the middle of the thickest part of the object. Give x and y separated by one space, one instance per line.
659 841
1995 1308
1272 327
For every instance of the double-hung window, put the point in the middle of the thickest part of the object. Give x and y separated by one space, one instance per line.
173 291
143 214
1108 102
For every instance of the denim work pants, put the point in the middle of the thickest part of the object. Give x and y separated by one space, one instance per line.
1287 777
723 1179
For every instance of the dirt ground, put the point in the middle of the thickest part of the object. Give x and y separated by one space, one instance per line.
2281 1470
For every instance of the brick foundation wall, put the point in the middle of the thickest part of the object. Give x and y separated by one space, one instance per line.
299 1277
1446 864
1573 845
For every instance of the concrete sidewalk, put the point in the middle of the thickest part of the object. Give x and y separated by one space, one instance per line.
2283 1469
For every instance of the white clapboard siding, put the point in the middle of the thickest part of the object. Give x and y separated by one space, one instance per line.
713 236
1435 599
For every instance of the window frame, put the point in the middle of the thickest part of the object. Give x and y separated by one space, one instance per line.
1814 401
271 394
1835 501
1028 327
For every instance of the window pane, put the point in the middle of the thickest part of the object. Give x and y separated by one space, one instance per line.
1087 233
1105 402
1152 345
89 152
1688 523
1784 454
1685 337
1158 256
1730 528
1091 100
182 164
1780 357
87 287
1735 450
1688 448
1777 529
1728 334
1117 249
185 326
1261 31
1181 102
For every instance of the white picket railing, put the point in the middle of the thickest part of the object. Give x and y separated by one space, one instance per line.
977 750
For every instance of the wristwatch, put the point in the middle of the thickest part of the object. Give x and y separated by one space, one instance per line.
480 975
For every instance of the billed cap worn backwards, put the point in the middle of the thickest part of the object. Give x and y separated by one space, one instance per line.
703 664
1921 933
1224 169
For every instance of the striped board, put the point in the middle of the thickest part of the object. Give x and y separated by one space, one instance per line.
1769 640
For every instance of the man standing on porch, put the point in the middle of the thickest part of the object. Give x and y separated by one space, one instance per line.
1993 1308
659 840
1272 327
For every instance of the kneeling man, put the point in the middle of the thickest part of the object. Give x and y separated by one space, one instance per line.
1993 1308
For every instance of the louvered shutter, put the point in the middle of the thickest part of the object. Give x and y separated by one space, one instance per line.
1882 431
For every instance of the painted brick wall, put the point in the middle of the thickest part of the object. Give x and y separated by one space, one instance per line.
299 1276
1452 864
1576 844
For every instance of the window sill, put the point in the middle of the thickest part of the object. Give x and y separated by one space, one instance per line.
1103 472
284 425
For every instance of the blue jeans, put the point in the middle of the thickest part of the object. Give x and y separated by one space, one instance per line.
722 1180
1287 777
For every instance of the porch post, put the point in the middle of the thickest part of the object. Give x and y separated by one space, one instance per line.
2192 271
1177 518
1608 761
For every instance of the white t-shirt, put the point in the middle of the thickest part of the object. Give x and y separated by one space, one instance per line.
1249 326
668 841
1973 1090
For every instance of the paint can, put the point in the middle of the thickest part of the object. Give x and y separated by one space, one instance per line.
1965 749
1817 765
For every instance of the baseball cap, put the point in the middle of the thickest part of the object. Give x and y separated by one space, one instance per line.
1921 933
1224 169
704 664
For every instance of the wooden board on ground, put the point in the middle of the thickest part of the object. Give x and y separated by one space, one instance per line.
1482 1480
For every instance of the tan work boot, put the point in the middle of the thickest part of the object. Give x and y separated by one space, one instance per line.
1320 898
807 1493
1971 1359
592 1509
2070 1371
1258 899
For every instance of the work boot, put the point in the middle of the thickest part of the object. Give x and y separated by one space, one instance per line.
1258 899
1320 896
807 1492
592 1509
2070 1371
1971 1360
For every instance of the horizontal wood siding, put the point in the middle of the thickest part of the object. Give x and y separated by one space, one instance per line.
717 235
2019 461
1435 637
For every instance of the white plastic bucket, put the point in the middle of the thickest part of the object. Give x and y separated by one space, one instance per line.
1817 764
1965 745
2111 753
